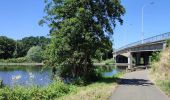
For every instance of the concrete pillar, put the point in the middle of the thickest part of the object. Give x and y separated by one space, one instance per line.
129 60
146 59
164 45
138 58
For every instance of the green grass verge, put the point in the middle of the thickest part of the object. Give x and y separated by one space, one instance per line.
164 85
100 90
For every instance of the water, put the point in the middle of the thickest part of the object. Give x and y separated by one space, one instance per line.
25 75
31 75
111 73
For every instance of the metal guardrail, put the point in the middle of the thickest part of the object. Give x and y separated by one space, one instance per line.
147 40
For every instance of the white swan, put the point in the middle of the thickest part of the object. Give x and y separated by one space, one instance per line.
16 77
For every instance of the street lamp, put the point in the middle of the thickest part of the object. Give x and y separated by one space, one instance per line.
151 3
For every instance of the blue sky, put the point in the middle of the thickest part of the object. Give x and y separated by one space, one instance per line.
19 18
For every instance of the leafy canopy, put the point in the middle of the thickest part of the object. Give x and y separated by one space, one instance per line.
35 54
78 29
7 47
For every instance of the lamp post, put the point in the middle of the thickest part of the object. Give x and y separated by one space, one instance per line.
142 28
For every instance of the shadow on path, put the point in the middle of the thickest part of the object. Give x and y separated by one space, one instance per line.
136 82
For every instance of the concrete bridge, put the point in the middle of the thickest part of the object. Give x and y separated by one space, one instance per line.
138 53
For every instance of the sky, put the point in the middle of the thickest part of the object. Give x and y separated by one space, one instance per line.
19 18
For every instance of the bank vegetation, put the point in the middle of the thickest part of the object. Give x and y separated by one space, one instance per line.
160 71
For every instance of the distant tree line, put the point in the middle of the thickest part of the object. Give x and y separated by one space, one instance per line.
10 48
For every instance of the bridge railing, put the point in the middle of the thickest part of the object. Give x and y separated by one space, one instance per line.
147 40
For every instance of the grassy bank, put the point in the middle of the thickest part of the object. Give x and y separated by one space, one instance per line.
160 71
100 90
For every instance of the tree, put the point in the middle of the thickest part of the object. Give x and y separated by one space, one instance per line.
78 29
35 54
26 43
7 47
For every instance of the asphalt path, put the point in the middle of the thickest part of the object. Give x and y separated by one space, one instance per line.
137 86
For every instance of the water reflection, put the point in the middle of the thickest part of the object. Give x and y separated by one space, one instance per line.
111 73
25 75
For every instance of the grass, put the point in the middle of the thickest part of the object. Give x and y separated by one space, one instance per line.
160 70
100 90
164 85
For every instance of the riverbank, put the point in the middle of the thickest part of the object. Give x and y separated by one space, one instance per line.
160 70
100 90
21 64
57 90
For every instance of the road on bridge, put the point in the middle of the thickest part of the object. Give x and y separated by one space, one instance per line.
136 86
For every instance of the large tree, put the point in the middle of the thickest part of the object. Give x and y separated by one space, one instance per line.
78 29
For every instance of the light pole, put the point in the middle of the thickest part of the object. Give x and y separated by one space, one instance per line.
142 29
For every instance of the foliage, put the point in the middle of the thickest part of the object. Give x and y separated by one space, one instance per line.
26 43
50 92
78 30
109 61
7 47
167 42
18 50
99 90
10 48
160 69
35 54
103 55
14 60
155 57
1 84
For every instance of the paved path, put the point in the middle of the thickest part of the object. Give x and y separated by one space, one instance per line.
136 86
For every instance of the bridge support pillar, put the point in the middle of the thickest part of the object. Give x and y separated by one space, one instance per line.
146 59
138 56
129 60
164 45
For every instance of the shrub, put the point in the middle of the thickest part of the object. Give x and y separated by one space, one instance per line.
54 90
155 57
35 54
14 60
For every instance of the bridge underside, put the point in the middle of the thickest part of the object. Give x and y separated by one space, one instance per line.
141 58
133 59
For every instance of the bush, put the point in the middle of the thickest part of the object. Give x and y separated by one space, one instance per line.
35 54
167 42
54 90
14 60
155 57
